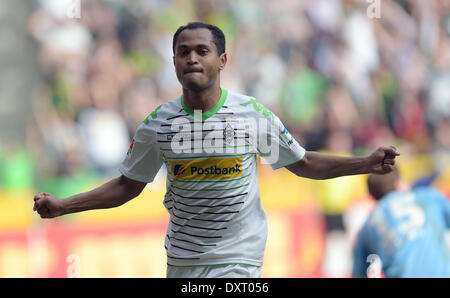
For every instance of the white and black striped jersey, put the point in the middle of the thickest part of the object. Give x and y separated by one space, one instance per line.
213 199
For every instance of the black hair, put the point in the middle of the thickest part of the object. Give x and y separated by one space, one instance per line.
218 36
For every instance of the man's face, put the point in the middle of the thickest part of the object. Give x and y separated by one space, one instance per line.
197 63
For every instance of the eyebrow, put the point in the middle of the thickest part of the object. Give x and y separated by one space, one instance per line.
183 46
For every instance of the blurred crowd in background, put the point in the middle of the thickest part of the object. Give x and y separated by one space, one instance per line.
340 81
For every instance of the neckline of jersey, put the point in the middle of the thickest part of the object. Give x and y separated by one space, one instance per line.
210 112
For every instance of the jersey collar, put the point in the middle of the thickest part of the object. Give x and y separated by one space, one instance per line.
209 113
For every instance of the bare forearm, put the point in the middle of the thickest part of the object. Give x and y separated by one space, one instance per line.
111 194
323 166
331 166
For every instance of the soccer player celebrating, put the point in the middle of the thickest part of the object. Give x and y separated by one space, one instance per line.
208 139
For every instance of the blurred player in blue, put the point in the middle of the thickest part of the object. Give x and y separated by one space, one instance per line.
405 235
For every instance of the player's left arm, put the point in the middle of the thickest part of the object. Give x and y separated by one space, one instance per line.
317 165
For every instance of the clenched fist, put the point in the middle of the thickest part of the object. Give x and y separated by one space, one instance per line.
382 160
47 205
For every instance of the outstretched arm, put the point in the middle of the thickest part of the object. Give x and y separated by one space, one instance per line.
317 165
111 194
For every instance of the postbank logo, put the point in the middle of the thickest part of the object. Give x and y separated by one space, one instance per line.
178 169
211 168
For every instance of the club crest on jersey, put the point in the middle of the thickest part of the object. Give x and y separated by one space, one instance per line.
214 168
228 133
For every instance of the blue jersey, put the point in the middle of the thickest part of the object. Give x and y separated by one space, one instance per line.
406 232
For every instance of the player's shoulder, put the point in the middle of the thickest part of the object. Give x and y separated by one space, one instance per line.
164 112
242 101
248 105
429 193
168 109
234 98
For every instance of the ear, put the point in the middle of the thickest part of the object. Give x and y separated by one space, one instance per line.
223 61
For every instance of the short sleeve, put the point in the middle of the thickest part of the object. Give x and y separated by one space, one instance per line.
143 159
276 145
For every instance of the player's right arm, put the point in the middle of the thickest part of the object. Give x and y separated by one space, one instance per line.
111 194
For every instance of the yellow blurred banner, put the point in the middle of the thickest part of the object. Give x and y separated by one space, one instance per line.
129 241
